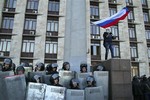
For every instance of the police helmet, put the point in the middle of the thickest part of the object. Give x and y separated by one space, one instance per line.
90 79
74 80
100 68
54 65
8 61
25 64
66 66
20 68
41 66
55 76
83 65
49 67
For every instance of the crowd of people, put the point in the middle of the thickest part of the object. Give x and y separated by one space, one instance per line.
140 85
141 88
50 69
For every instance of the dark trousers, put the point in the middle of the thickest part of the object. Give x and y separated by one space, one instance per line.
146 96
138 97
107 47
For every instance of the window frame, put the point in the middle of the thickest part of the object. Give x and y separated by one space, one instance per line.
11 4
28 46
5 45
134 51
32 4
55 24
30 24
55 6
49 50
94 10
7 22
97 50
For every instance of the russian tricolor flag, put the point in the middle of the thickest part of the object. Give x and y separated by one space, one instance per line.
114 19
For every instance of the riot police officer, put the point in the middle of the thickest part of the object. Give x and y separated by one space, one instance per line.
54 67
83 67
39 67
100 68
90 81
7 65
25 64
20 70
66 66
74 83
54 80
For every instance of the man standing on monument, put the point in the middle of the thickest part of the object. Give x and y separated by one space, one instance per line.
108 37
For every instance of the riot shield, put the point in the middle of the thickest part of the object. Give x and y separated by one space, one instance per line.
94 93
32 74
14 87
46 79
35 91
82 79
75 94
5 74
101 78
65 77
55 93
2 76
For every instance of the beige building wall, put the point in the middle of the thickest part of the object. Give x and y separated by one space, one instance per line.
16 40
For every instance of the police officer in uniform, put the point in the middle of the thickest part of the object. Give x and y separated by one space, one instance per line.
54 68
74 83
90 81
83 68
66 66
39 67
7 65
20 70
54 80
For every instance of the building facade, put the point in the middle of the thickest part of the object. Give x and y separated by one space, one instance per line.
61 30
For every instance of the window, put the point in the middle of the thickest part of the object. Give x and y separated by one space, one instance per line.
131 32
28 46
112 11
30 24
5 44
131 15
53 6
32 4
144 2
8 22
128 1
146 17
133 50
95 49
147 32
51 47
11 3
116 50
114 30
52 25
148 49
95 29
94 10
134 70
